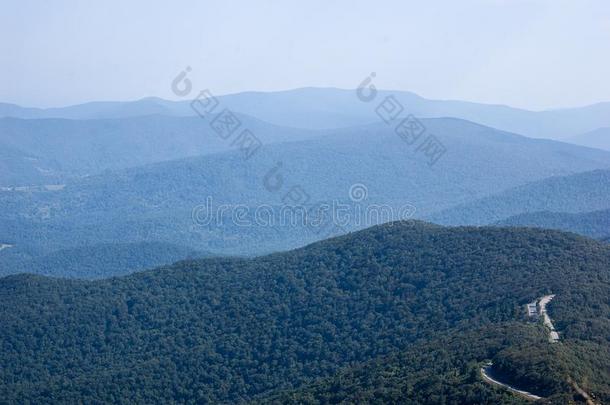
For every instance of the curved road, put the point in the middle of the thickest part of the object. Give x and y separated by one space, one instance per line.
485 372
544 301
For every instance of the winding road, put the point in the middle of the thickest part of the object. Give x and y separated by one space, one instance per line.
534 309
553 335
486 373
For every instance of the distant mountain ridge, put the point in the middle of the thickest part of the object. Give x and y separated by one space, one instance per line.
86 147
94 261
327 108
90 110
598 138
577 193
156 202
594 224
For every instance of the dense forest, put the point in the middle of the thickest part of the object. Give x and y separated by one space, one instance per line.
443 370
406 311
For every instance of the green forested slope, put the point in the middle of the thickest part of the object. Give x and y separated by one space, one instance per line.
230 330
443 370
447 370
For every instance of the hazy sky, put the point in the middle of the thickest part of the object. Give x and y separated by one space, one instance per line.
526 53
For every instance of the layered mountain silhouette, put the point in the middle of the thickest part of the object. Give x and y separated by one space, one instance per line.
573 194
85 147
595 224
324 108
599 138
156 202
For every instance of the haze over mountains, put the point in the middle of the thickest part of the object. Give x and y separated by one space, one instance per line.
93 261
595 224
18 168
81 147
125 177
599 138
327 108
348 244
155 202
110 189
577 193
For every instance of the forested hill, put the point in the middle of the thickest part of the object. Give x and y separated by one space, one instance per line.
442 370
231 330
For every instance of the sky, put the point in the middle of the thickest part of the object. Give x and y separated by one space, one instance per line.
533 54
